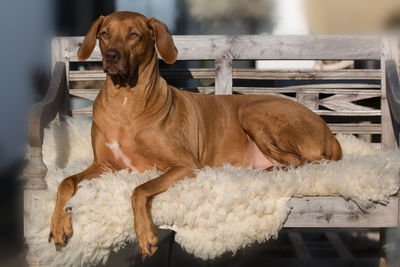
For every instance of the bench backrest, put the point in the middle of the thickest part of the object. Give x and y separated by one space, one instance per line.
351 100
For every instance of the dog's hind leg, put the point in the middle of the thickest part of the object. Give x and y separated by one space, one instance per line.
272 151
287 133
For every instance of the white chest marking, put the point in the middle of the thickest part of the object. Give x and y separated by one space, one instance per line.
118 154
125 98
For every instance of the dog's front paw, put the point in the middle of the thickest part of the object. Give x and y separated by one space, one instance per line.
60 228
147 240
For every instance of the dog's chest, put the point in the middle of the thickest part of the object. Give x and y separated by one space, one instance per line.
121 158
126 154
119 146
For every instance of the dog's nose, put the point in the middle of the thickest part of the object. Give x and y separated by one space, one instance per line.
112 54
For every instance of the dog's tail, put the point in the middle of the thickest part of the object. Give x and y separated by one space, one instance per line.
337 150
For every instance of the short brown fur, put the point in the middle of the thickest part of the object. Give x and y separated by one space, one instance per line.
140 122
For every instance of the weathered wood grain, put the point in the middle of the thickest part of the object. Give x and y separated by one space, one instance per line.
87 75
59 53
41 114
309 100
338 212
203 89
246 74
323 86
95 75
46 110
388 139
305 89
210 47
360 113
223 76
393 88
344 102
86 111
91 93
56 52
251 74
203 73
356 128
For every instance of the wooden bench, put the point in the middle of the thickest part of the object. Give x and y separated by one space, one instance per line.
353 101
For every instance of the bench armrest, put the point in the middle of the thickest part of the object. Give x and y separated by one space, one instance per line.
42 113
393 89
46 110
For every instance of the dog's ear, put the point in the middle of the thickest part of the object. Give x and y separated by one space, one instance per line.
164 42
89 43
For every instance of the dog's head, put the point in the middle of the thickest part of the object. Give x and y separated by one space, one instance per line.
127 40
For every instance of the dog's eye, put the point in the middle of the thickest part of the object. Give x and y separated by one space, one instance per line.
104 34
133 35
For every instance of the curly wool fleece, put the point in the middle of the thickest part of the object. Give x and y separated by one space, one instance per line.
222 210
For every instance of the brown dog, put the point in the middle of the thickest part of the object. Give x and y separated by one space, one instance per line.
140 122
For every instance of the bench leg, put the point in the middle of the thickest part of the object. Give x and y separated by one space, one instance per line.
382 243
32 260
36 171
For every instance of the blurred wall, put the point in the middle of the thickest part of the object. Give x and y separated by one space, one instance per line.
164 10
73 17
25 28
351 16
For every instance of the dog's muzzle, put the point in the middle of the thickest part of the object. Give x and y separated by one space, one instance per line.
111 59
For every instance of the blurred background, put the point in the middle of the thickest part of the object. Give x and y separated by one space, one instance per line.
26 29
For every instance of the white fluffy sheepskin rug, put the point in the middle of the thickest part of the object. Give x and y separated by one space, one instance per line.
223 209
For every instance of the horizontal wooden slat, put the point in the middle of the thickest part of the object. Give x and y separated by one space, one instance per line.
337 212
203 90
85 93
270 90
330 85
247 74
349 113
86 111
209 47
250 74
94 75
306 90
203 73
355 128
87 75
92 93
